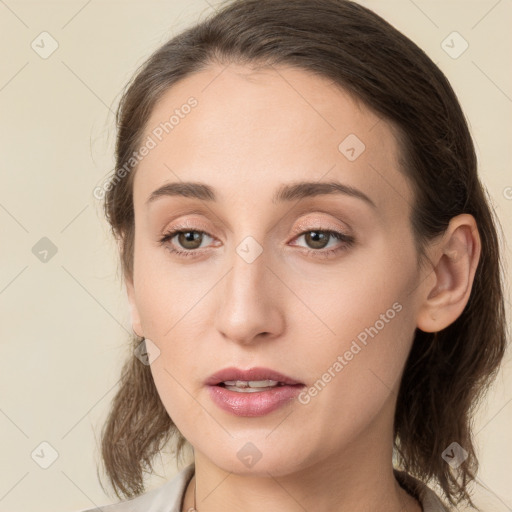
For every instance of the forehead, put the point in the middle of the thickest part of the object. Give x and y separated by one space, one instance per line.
252 129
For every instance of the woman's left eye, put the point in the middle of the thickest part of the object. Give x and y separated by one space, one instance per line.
318 240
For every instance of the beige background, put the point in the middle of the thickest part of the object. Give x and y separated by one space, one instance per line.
64 322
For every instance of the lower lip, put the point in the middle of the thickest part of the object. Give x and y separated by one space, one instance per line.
253 404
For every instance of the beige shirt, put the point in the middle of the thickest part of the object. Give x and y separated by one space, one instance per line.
169 496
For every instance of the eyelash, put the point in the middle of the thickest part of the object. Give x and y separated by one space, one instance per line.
348 241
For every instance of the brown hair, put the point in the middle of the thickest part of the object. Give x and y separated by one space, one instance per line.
447 372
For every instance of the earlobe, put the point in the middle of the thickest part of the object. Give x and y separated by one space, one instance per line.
134 312
454 260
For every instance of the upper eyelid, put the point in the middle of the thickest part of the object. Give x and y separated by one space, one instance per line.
297 231
303 225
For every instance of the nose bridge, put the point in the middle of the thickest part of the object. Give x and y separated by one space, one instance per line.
246 280
246 306
249 257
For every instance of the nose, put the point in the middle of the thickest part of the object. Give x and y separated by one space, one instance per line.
249 300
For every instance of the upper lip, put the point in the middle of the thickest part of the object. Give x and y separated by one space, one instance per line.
251 374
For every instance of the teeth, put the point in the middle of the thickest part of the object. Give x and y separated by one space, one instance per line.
251 386
247 390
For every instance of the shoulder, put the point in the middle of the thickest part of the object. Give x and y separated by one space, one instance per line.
166 498
428 499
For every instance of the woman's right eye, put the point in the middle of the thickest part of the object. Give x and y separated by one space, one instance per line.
188 239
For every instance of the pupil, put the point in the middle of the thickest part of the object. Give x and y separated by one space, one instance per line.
317 239
190 237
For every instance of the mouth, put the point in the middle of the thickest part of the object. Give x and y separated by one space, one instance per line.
251 386
253 378
252 392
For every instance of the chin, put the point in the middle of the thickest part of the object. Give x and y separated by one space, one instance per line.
259 455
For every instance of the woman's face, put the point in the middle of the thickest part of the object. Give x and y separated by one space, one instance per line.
263 281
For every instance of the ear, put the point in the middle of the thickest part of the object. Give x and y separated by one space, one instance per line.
134 312
447 289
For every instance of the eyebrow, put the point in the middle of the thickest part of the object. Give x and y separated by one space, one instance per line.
285 193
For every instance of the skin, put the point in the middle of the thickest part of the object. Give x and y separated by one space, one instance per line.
289 310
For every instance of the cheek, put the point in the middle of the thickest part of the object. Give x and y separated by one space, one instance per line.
169 296
173 386
356 378
366 297
368 323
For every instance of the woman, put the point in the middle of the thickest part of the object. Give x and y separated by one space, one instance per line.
312 268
